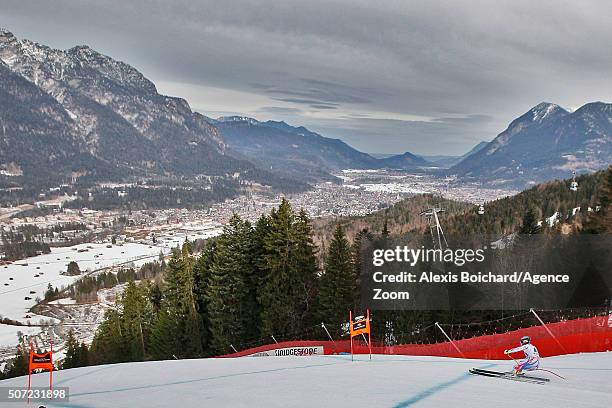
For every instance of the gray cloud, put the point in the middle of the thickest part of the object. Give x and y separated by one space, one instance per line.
321 106
427 76
390 135
475 118
279 110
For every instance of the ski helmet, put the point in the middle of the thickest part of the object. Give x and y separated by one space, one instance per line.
525 340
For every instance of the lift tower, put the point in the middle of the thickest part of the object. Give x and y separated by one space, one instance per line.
437 234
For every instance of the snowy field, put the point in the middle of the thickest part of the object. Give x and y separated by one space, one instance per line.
8 334
29 278
331 381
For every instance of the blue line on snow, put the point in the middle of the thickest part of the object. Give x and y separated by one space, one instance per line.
70 405
436 388
140 387
65 380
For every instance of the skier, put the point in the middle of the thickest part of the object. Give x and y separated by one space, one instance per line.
532 357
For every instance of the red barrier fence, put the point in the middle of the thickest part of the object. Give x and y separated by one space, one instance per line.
574 336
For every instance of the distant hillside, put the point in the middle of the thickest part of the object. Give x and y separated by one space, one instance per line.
401 218
449 161
504 216
546 142
300 153
404 161
293 151
501 217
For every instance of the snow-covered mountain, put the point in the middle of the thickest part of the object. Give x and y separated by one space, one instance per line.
544 143
78 112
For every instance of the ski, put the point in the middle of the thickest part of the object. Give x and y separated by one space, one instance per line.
509 376
511 373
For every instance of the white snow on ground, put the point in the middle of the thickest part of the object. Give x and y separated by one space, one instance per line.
394 188
35 273
8 334
331 381
63 301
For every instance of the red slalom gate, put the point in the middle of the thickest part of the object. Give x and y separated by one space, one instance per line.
40 361
592 334
360 326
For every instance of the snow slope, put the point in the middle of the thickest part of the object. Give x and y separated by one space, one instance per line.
322 381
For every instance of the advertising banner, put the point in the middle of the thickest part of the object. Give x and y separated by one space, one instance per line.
290 351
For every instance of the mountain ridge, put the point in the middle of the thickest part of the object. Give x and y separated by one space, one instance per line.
300 151
77 113
116 122
544 143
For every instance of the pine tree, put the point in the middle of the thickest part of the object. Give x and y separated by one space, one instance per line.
164 339
83 355
155 296
73 268
178 326
529 225
337 289
19 365
289 264
50 293
599 222
258 250
356 248
72 358
385 230
231 306
137 321
305 260
193 326
201 274
109 345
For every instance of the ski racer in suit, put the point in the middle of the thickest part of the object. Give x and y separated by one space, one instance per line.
531 361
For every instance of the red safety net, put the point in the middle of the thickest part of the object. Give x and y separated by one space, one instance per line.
572 336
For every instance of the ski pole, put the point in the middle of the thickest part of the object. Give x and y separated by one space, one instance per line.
541 369
553 373
513 359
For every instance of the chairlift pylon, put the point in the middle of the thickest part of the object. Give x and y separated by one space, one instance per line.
574 183
431 215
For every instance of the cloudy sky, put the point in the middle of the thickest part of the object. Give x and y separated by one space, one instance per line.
385 76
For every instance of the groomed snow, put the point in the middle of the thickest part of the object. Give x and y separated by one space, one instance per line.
331 381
